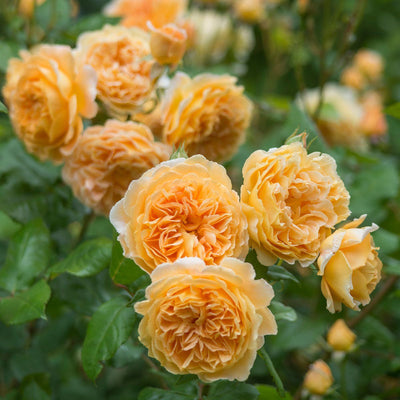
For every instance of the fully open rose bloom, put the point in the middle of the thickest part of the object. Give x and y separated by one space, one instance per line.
206 320
349 266
106 160
181 208
138 12
47 95
119 56
208 114
291 200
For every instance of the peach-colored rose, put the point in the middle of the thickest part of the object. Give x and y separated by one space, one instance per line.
291 200
181 208
370 63
168 43
208 114
349 266
353 77
340 337
206 320
138 12
106 160
47 95
119 56
319 378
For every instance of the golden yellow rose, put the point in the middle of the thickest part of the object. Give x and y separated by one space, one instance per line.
168 43
138 12
119 56
26 7
340 337
251 11
291 200
47 95
318 378
208 114
353 77
206 320
349 266
106 160
370 63
181 208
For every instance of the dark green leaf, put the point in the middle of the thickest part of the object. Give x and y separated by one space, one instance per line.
108 329
123 270
270 393
3 108
281 311
34 392
232 391
28 255
160 394
25 306
8 227
87 259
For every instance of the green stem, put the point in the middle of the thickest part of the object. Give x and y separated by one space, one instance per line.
200 390
270 366
85 225
343 378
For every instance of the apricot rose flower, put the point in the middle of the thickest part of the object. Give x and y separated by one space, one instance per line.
291 200
206 320
47 95
208 114
181 208
118 55
349 266
106 160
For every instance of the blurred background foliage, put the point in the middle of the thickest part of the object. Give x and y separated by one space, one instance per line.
41 222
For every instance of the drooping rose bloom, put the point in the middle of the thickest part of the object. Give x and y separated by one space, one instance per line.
47 95
349 266
119 56
208 114
138 12
206 320
106 160
292 200
181 208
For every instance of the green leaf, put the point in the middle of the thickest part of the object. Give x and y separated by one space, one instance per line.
53 14
123 270
7 51
231 391
7 226
25 306
33 391
27 256
393 110
3 108
108 329
270 393
281 311
160 394
87 259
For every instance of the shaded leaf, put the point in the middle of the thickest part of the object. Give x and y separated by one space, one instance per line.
25 306
232 391
3 108
281 311
270 393
160 394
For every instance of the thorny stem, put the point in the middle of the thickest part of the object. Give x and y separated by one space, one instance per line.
387 286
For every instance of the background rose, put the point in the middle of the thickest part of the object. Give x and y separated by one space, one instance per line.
138 12
181 208
319 378
349 266
340 337
291 200
206 320
118 55
107 158
47 95
208 114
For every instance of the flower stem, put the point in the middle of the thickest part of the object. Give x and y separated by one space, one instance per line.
268 362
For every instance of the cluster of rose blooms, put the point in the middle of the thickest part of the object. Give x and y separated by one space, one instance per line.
351 113
179 219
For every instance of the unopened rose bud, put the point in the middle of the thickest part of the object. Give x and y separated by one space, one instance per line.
318 378
340 337
251 11
26 7
370 63
168 43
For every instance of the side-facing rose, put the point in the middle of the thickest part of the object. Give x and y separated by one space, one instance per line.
47 96
208 114
206 320
118 55
106 160
291 200
181 208
349 266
